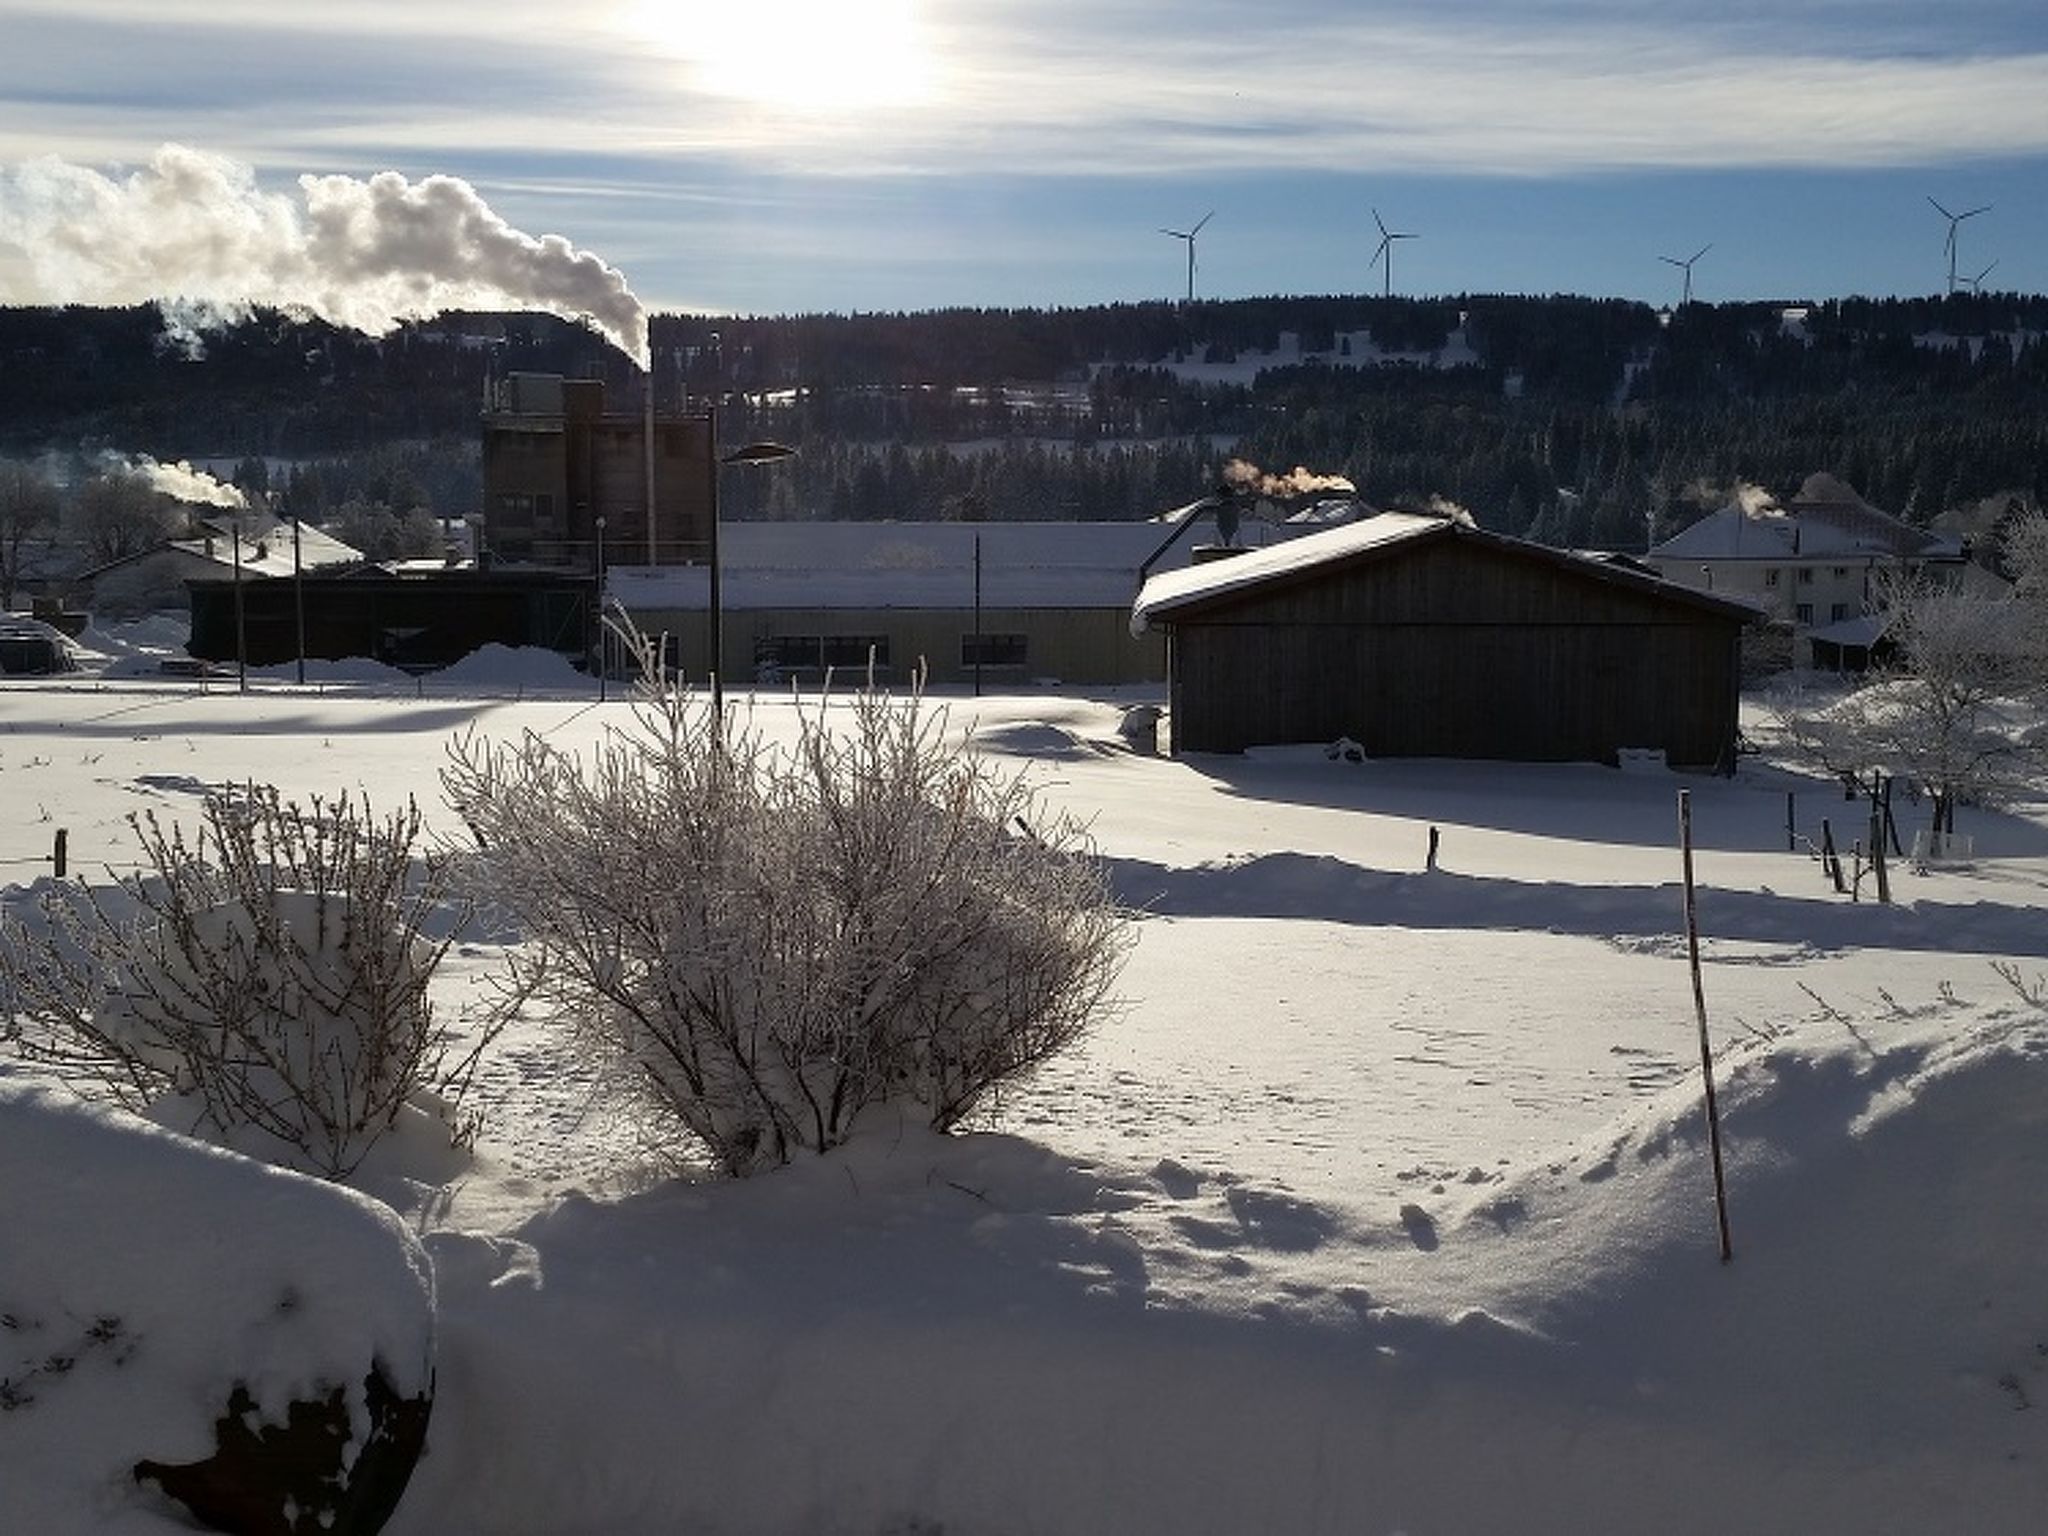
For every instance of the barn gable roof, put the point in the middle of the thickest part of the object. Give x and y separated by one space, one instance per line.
1176 594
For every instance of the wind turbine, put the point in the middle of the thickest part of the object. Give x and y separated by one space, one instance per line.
1384 255
1189 236
1976 284
1955 221
1686 267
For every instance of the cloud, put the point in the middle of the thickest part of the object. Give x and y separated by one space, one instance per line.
1197 87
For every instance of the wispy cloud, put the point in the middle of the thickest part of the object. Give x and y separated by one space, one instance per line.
1196 86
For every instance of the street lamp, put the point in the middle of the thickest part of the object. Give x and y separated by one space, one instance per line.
241 625
602 647
750 453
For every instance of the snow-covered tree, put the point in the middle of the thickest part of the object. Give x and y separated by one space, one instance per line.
1959 712
263 985
766 942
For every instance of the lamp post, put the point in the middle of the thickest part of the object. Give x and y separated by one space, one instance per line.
299 599
602 647
749 453
241 627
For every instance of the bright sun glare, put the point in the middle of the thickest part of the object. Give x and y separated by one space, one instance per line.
796 54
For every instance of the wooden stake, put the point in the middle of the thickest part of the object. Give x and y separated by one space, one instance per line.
1791 826
1699 1003
59 852
1830 860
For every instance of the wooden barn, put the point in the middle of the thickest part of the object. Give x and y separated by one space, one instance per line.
1424 636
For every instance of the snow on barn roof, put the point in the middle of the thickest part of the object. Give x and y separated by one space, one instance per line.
848 565
1175 590
1197 583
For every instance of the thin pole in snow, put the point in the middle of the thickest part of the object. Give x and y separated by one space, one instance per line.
1699 1003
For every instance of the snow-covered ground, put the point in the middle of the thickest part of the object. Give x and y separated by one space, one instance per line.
1382 1204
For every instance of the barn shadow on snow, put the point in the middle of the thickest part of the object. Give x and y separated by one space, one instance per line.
1589 803
1324 889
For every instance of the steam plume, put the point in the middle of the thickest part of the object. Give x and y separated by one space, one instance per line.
195 227
179 481
1241 476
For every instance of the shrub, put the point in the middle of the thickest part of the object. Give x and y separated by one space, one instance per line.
274 992
769 941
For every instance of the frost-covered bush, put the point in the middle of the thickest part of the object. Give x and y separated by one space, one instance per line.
264 985
768 941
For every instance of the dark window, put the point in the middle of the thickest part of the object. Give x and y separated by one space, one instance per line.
786 651
1771 577
846 653
1803 613
1805 575
853 650
1838 613
992 650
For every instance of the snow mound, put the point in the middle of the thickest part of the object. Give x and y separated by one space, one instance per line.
1035 739
143 1275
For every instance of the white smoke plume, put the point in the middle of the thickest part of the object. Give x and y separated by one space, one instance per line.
1238 475
179 481
1755 501
195 228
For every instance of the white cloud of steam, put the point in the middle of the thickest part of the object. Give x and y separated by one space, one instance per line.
179 481
195 228
1239 475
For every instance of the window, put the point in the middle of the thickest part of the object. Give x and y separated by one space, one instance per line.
1806 575
1771 577
777 655
853 650
1841 571
992 650
1839 612
1803 613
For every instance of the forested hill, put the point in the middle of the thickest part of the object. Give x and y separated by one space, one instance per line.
1576 420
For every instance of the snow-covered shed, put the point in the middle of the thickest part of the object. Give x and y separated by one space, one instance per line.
1421 635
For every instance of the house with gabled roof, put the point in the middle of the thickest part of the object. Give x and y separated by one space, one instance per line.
253 547
1814 563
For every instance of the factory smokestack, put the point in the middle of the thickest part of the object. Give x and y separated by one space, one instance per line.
193 232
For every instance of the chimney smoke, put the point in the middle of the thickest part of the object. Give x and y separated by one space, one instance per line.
1248 479
193 232
179 481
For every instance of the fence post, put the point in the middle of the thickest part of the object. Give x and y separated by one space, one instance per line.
60 850
1699 1003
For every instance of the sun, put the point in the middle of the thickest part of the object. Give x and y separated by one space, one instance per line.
802 55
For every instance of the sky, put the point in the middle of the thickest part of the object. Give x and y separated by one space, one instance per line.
785 156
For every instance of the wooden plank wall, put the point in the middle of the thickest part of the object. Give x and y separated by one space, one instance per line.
1454 649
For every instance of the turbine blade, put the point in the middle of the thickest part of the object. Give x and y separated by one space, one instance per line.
1382 224
1941 210
1205 218
1696 255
